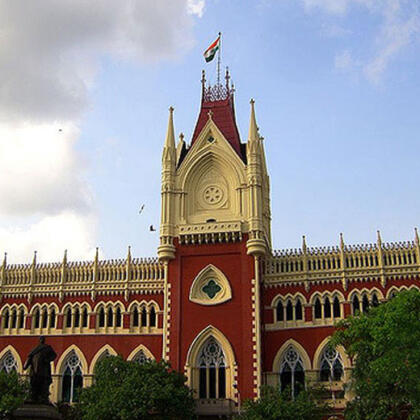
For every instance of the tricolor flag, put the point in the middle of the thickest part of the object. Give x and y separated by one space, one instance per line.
211 51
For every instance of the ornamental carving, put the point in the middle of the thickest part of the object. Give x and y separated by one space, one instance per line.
210 287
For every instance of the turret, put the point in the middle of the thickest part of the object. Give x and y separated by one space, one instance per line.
166 249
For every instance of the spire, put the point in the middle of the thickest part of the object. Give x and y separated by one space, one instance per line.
170 136
129 253
304 244
379 239
34 259
5 260
416 237
65 257
341 241
96 255
253 129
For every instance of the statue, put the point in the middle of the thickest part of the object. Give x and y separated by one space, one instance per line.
39 360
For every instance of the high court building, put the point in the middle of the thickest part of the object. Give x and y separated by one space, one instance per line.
218 302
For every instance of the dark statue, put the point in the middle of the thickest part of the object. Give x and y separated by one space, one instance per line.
39 361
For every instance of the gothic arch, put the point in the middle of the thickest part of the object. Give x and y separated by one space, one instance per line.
139 348
60 364
15 354
320 349
99 354
193 353
300 349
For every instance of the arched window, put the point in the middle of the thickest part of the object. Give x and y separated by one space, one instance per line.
118 317
152 317
8 363
331 365
327 308
110 317
21 318
318 309
365 303
336 308
375 300
52 318
44 318
85 317
211 362
140 357
298 310
356 305
101 317
72 378
76 318
37 318
135 317
13 319
68 317
144 317
289 311
6 318
292 373
279 311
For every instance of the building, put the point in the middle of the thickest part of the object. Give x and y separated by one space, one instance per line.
218 303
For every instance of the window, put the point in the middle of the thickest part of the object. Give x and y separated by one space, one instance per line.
135 317
318 309
110 318
68 318
331 365
13 319
101 317
21 323
140 357
143 317
212 368
52 318
152 317
77 318
6 318
118 317
289 311
72 378
292 373
298 310
375 301
327 308
8 363
365 303
336 308
36 318
85 318
356 305
279 311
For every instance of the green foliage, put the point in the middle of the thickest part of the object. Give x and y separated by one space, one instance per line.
13 392
276 405
385 347
129 390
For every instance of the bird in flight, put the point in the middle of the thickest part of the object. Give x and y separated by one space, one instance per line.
152 229
141 209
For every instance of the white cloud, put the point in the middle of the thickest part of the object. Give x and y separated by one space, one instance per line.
344 61
400 25
50 53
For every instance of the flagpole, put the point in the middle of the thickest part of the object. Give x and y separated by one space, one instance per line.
218 59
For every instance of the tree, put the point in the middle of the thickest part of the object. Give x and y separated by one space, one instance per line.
130 390
385 347
13 391
276 405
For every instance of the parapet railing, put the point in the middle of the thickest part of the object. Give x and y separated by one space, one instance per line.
345 262
107 277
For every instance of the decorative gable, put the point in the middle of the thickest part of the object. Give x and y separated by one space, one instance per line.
210 287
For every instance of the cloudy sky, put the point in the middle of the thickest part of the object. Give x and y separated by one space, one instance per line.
85 87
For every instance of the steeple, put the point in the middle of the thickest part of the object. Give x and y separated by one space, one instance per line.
169 149
253 128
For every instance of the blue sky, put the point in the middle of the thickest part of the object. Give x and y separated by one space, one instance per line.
336 84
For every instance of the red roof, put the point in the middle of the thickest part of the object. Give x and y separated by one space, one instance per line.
224 118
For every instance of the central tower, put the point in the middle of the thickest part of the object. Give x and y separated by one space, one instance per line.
215 228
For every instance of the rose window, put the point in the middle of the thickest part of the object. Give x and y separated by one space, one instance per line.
213 195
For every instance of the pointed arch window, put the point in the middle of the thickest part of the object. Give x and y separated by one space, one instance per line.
318 308
52 318
110 317
212 368
298 310
68 317
8 363
6 318
37 317
118 317
331 365
375 300
135 317
336 308
356 305
13 319
279 311
327 308
21 323
72 378
365 303
85 318
289 311
152 316
292 373
144 317
76 318
101 317
44 318
140 357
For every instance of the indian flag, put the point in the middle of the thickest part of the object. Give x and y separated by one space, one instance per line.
211 51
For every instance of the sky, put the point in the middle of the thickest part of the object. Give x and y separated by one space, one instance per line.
85 88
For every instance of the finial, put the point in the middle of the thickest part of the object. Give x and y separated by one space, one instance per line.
34 259
129 253
5 260
97 254
65 257
379 239
303 243
416 237
170 135
171 109
253 128
181 137
203 79
210 114
227 77
341 241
